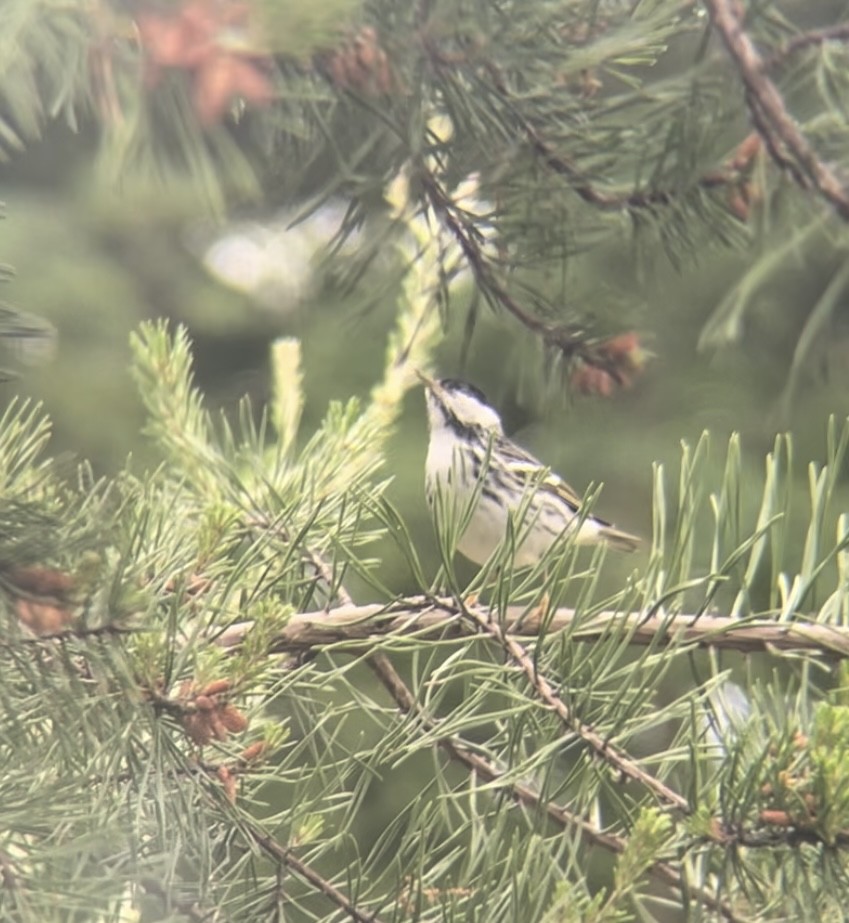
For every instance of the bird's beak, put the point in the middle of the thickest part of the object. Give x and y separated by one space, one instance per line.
427 381
433 389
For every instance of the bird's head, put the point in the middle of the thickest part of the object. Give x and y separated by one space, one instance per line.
458 406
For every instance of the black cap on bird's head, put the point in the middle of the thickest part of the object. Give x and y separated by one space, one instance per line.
458 405
457 386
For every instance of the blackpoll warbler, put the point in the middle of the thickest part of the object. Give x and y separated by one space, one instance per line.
470 460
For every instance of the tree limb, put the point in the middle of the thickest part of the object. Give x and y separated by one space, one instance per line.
461 752
617 759
285 856
839 32
611 200
468 239
769 112
360 626
616 200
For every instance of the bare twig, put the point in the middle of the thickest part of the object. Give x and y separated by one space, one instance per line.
360 626
72 633
614 757
284 855
581 184
462 753
770 114
467 239
839 32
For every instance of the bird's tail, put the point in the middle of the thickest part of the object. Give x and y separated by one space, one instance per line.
621 541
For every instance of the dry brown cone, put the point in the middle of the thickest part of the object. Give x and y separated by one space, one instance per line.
42 598
610 364
194 584
229 781
207 715
253 752
196 38
360 65
745 193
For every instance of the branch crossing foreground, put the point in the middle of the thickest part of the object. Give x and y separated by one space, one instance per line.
361 626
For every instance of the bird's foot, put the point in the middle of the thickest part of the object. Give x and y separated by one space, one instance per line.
539 611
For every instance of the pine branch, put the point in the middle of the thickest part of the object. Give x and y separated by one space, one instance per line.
359 626
769 112
588 191
285 856
471 245
73 633
602 365
463 753
618 201
610 754
839 32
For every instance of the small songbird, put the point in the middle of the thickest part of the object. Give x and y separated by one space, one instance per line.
465 435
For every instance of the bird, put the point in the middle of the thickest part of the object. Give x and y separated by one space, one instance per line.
488 478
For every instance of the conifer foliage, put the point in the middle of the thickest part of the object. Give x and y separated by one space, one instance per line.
690 125
201 723
189 730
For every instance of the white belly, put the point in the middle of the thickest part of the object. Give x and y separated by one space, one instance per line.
545 519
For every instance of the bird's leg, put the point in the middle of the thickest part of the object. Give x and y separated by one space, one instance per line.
535 615
539 612
471 601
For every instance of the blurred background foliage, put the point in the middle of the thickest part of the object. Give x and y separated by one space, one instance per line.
94 262
720 293
136 188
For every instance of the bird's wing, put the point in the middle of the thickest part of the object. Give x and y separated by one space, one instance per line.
526 467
